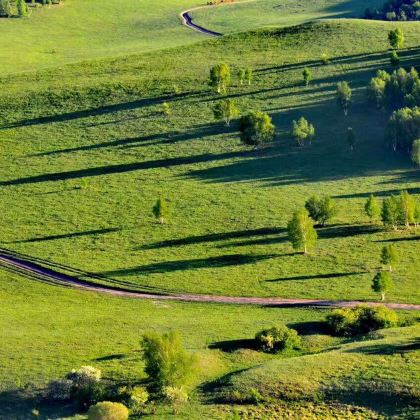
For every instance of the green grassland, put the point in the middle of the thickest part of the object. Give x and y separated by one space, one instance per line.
46 331
264 13
78 30
86 151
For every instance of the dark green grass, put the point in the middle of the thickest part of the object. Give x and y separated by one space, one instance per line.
86 152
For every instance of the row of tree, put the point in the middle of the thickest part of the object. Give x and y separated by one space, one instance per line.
395 10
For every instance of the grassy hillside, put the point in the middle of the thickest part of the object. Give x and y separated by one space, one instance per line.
262 13
79 30
86 152
46 331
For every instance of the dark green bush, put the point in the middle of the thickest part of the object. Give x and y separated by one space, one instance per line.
277 339
361 320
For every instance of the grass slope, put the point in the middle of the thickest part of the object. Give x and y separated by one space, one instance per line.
262 13
86 151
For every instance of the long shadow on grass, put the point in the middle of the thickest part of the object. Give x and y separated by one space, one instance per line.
317 276
181 265
310 327
407 239
212 237
412 345
125 167
229 346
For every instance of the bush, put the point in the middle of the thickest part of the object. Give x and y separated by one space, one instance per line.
167 362
277 339
86 388
175 396
59 390
137 399
107 410
361 320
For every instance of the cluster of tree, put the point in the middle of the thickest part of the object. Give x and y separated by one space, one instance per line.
396 90
221 77
19 8
360 320
396 210
396 10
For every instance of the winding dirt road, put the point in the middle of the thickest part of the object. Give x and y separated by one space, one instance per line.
36 271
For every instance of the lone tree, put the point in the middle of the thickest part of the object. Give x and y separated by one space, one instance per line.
301 231
394 59
382 283
225 110
307 76
415 152
372 208
220 77
256 128
248 75
302 131
321 210
22 8
396 38
351 138
241 76
344 96
166 109
160 210
389 256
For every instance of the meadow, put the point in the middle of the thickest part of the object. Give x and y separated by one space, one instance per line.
86 150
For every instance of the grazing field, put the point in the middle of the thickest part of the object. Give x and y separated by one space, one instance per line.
86 152
262 13
46 331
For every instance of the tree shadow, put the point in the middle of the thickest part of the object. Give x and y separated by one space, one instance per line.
109 358
317 276
181 265
407 239
211 237
412 345
347 231
310 327
230 346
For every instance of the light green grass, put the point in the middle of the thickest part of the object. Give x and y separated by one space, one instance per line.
263 13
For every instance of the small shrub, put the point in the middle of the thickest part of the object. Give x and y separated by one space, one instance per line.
361 320
175 396
87 388
138 399
59 390
107 410
277 339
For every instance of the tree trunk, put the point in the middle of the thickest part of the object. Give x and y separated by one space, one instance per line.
382 296
161 220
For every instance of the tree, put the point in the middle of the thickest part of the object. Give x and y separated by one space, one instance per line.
389 256
241 76
391 212
407 208
415 152
302 131
403 128
344 96
166 109
220 77
160 210
351 138
394 59
321 210
376 90
248 75
307 76
226 110
5 8
396 38
382 283
256 128
301 231
167 362
22 8
325 59
372 208
417 214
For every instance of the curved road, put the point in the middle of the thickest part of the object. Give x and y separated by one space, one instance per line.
40 272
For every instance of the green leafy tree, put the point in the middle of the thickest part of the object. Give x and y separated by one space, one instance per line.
241 76
389 256
166 109
344 94
372 208
256 128
351 138
417 214
302 131
321 210
382 283
325 59
167 362
226 110
415 152
301 231
6 8
249 75
220 77
407 208
22 9
403 128
391 212
396 38
160 210
394 59
307 76
376 90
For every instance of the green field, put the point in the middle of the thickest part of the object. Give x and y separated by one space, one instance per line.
85 152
